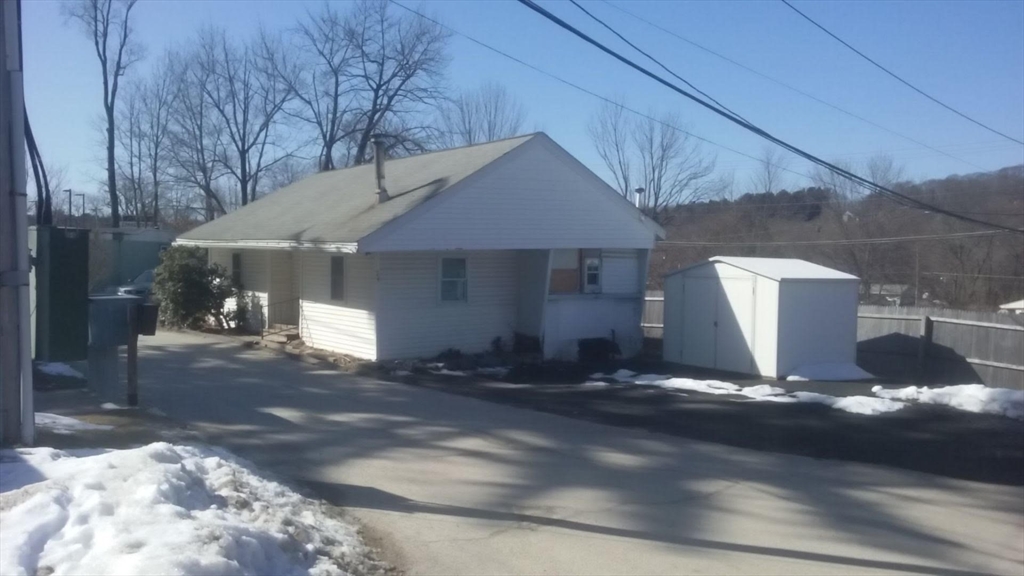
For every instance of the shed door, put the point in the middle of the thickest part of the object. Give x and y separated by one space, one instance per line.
734 337
698 321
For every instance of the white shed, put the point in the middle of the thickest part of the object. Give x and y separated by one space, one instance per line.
766 316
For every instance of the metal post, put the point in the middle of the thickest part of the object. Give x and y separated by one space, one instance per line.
71 209
917 272
133 355
924 343
16 407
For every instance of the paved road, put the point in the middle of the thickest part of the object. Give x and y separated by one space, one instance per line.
453 485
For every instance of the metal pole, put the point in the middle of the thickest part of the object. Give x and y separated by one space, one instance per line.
917 272
71 208
15 329
133 354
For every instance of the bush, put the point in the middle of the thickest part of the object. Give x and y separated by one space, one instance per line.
190 291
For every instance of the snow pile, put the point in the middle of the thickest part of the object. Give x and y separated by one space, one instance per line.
64 425
829 373
162 509
447 372
621 375
854 404
58 369
762 393
970 397
707 386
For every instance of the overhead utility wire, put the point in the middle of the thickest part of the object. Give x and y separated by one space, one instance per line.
655 60
894 75
898 197
594 94
842 242
789 87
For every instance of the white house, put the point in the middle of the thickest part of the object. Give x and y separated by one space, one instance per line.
1015 307
768 316
448 249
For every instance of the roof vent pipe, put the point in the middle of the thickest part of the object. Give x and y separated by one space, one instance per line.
378 163
636 196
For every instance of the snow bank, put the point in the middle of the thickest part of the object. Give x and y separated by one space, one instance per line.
162 509
447 372
855 404
58 369
768 393
621 375
829 373
64 425
970 397
707 386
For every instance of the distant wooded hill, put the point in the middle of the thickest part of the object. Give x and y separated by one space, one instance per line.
977 272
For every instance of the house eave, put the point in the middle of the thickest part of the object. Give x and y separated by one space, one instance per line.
344 247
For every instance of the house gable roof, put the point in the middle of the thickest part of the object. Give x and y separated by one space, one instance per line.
341 206
776 268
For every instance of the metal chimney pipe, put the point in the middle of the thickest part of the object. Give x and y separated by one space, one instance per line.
378 163
636 196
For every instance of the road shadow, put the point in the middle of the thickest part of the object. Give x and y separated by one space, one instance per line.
313 424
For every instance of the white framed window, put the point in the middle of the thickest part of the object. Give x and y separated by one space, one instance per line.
454 280
592 275
337 277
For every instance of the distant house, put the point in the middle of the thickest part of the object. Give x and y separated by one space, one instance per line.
1013 307
449 249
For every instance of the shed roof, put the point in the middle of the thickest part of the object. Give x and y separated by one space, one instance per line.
1015 305
341 206
777 268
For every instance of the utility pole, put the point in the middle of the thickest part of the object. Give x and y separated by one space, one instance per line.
16 410
917 272
71 209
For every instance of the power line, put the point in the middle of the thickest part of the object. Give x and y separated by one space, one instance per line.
655 60
594 94
607 100
898 197
789 87
894 75
837 242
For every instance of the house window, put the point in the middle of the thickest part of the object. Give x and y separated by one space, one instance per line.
236 269
565 272
592 275
337 277
454 280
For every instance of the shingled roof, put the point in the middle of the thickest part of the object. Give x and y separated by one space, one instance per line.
341 206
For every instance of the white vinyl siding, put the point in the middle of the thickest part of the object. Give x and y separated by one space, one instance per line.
414 322
538 197
347 327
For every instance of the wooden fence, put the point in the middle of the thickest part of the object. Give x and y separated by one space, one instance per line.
930 345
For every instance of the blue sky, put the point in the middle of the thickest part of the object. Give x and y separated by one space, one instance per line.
968 54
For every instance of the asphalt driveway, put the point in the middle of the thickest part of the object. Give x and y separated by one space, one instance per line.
454 485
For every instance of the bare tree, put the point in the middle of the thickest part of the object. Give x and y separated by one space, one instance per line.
323 80
108 25
195 135
854 213
400 67
656 155
245 90
482 115
768 178
129 159
157 102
